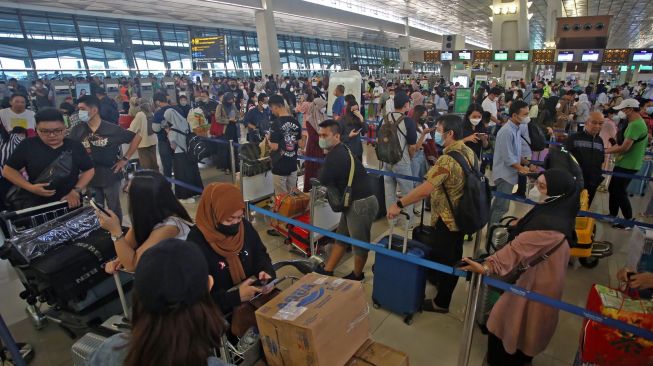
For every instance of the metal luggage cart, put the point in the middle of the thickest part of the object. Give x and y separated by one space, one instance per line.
98 303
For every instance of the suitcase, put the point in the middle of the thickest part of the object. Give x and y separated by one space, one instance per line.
398 285
291 204
378 187
423 233
299 237
637 187
125 120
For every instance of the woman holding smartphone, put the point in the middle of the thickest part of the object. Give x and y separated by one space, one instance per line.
353 126
155 215
474 132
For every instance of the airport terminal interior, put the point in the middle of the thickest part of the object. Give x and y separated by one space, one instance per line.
288 81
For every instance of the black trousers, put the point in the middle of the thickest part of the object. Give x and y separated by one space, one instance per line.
497 355
166 155
186 171
447 248
619 195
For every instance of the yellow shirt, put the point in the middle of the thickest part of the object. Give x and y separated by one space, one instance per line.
448 174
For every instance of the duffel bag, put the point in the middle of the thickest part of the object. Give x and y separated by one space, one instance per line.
252 168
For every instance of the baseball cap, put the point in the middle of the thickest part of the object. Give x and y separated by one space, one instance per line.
171 273
627 103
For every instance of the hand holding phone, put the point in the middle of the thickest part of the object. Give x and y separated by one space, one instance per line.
99 207
462 263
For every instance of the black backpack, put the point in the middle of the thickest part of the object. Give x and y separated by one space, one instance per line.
537 137
473 211
197 147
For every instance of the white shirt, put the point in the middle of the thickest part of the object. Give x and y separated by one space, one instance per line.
11 119
181 224
378 90
490 106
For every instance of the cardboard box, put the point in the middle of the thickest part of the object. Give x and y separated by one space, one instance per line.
377 354
318 321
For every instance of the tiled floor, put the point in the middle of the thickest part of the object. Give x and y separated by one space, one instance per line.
432 339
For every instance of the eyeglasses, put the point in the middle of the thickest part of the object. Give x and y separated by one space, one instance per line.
55 132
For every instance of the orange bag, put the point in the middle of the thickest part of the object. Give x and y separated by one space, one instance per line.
290 205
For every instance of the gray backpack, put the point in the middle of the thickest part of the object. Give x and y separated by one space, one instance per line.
388 147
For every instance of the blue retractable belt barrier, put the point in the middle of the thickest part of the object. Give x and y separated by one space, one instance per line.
10 344
534 296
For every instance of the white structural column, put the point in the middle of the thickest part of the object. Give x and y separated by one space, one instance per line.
404 48
510 28
266 32
553 11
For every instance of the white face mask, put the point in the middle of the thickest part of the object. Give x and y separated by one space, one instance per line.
535 195
492 124
525 120
475 121
622 115
83 116
265 106
615 117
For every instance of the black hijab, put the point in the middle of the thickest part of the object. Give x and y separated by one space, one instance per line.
556 213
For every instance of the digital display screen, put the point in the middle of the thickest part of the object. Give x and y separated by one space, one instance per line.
501 56
565 56
208 49
446 56
642 55
590 56
521 56
465 55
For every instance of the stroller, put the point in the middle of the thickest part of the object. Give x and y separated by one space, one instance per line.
59 256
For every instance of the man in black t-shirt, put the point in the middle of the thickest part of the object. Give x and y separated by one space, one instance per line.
103 141
285 137
35 154
356 220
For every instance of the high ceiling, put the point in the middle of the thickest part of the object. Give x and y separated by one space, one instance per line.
632 23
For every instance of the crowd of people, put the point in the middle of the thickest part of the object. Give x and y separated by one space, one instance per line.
503 129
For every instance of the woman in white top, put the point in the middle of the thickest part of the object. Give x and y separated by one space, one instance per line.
583 109
155 214
142 124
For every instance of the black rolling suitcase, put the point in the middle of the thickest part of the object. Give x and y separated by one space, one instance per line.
424 234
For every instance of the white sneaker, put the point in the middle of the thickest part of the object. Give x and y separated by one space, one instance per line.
187 200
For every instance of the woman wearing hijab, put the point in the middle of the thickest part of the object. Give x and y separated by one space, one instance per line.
583 109
521 329
314 116
232 247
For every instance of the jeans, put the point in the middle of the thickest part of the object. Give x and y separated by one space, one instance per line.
166 154
500 206
391 183
284 183
356 222
418 165
447 248
619 195
109 196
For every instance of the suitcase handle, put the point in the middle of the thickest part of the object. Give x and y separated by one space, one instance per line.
392 229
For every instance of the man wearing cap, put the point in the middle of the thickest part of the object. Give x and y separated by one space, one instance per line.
108 107
490 104
630 156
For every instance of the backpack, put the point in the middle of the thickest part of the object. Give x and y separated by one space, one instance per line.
473 211
196 147
537 137
252 162
388 147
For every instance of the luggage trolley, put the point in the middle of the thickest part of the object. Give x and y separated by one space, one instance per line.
66 275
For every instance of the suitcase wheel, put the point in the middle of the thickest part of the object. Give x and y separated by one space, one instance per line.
375 304
408 319
589 262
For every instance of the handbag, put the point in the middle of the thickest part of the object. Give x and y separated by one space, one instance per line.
58 171
340 201
516 272
244 317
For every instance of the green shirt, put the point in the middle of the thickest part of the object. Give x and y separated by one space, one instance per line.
633 158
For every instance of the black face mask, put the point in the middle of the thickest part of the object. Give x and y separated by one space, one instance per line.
228 230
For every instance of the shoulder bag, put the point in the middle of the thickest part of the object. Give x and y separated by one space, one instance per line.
516 272
340 201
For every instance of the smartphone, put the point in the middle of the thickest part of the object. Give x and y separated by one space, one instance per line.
481 134
98 206
462 263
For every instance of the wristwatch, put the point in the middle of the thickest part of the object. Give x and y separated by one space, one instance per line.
116 238
399 204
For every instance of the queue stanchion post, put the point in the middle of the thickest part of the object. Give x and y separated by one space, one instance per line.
232 159
470 318
10 344
121 294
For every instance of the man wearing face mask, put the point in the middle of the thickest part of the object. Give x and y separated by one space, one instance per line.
446 175
258 120
490 105
587 147
356 220
646 111
564 111
630 156
238 93
103 141
285 138
508 162
207 104
183 106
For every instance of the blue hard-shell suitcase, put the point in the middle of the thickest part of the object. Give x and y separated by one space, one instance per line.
399 285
